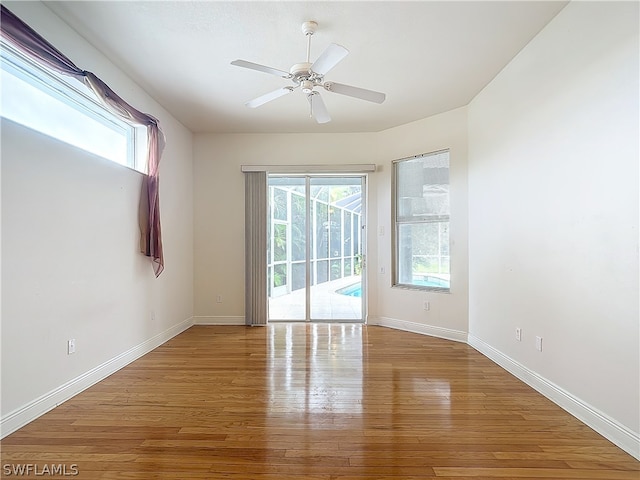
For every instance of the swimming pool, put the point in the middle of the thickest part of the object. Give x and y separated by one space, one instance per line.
355 290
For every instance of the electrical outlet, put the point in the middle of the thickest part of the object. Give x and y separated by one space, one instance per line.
219 299
71 346
381 270
539 344
427 306
518 334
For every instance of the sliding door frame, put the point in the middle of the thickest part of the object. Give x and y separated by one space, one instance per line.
251 295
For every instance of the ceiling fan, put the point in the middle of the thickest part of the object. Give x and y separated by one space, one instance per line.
309 75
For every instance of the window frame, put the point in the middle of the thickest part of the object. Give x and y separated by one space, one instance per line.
396 224
77 96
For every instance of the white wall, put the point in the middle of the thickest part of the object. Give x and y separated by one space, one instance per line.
402 308
553 212
219 215
70 261
548 198
219 203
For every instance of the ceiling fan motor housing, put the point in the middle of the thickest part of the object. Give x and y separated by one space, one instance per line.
301 70
302 75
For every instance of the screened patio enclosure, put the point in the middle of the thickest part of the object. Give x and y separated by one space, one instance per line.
315 248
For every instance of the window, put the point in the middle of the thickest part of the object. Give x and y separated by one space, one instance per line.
62 108
421 222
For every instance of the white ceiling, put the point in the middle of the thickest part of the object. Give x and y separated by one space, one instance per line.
427 56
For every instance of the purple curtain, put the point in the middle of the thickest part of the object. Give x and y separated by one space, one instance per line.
29 42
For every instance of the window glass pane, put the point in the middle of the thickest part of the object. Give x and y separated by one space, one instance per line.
279 242
336 269
279 204
27 105
319 192
423 254
269 224
322 230
347 267
322 271
298 275
336 231
347 234
422 187
422 221
298 214
64 109
312 237
355 237
279 275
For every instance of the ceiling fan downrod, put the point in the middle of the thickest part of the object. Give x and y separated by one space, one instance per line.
309 28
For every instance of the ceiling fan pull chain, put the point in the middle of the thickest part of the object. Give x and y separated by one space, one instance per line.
310 105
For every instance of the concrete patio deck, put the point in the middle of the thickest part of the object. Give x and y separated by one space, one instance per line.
326 304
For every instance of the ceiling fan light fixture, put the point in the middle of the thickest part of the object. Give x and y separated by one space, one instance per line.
307 86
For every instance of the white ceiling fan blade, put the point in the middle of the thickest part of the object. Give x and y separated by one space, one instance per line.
356 92
329 58
261 68
318 108
267 97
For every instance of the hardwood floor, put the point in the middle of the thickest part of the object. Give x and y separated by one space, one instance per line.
312 402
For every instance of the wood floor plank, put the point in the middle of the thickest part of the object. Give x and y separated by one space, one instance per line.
314 402
545 473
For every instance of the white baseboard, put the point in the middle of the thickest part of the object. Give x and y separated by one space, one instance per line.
618 434
218 320
440 332
613 431
34 409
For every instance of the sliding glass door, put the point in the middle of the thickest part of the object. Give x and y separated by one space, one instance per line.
315 248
